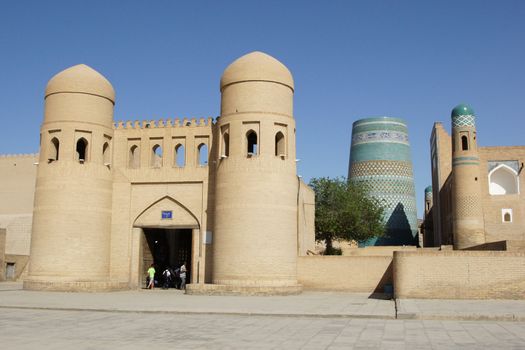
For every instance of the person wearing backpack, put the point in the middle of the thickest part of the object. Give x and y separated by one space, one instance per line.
167 278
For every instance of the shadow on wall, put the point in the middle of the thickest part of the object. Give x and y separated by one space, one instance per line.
384 289
398 230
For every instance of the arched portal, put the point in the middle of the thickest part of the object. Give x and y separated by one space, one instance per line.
167 235
503 180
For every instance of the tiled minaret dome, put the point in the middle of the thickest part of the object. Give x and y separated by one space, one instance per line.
380 158
463 115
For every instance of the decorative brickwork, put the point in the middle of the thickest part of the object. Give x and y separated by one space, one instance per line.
381 167
468 206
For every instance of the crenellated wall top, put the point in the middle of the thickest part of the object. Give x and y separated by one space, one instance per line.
19 155
164 123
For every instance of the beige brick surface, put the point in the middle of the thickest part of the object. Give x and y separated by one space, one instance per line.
459 275
367 274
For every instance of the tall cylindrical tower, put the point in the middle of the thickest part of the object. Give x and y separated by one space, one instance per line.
70 242
380 158
255 234
467 212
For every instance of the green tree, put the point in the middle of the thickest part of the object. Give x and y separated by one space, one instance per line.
345 211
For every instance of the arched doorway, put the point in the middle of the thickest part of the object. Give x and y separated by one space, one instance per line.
168 236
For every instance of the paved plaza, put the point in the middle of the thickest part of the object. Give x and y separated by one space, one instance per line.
49 329
158 318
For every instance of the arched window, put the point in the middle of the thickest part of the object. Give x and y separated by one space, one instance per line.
279 145
156 156
203 154
225 145
503 180
507 217
251 141
134 157
180 156
82 147
106 158
464 143
54 148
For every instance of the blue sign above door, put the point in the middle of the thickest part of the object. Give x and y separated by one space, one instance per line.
167 214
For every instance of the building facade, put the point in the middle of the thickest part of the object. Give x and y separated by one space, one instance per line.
477 196
221 195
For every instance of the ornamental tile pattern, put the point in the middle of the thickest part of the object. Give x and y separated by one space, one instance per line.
380 136
380 158
513 164
381 167
463 120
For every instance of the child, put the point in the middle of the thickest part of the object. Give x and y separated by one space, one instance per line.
151 273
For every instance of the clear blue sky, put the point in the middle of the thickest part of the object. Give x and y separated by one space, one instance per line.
350 59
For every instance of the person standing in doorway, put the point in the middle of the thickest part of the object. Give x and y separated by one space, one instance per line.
151 273
183 276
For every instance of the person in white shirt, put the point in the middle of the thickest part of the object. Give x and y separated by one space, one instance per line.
183 276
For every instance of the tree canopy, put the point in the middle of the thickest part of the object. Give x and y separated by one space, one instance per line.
345 211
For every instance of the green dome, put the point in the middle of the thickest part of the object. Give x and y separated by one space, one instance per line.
462 109
463 116
428 189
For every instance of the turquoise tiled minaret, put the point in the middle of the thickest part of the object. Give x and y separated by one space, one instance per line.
380 158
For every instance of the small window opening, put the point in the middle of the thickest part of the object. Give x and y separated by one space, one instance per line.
251 138
180 156
54 150
464 143
105 154
226 145
279 145
134 157
428 206
156 156
506 215
203 154
82 150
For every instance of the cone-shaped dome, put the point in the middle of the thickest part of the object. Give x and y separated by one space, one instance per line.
257 66
81 78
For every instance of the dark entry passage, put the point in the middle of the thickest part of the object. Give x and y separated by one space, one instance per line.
167 248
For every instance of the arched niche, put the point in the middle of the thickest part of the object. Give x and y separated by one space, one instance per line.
134 157
503 180
152 216
202 151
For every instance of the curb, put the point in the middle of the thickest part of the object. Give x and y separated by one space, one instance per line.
464 317
227 313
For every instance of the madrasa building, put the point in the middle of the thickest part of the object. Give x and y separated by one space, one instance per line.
476 198
111 198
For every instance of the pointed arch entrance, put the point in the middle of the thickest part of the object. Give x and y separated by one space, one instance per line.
169 237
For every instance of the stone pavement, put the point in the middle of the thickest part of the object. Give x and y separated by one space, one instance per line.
436 309
313 320
307 304
50 329
174 301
